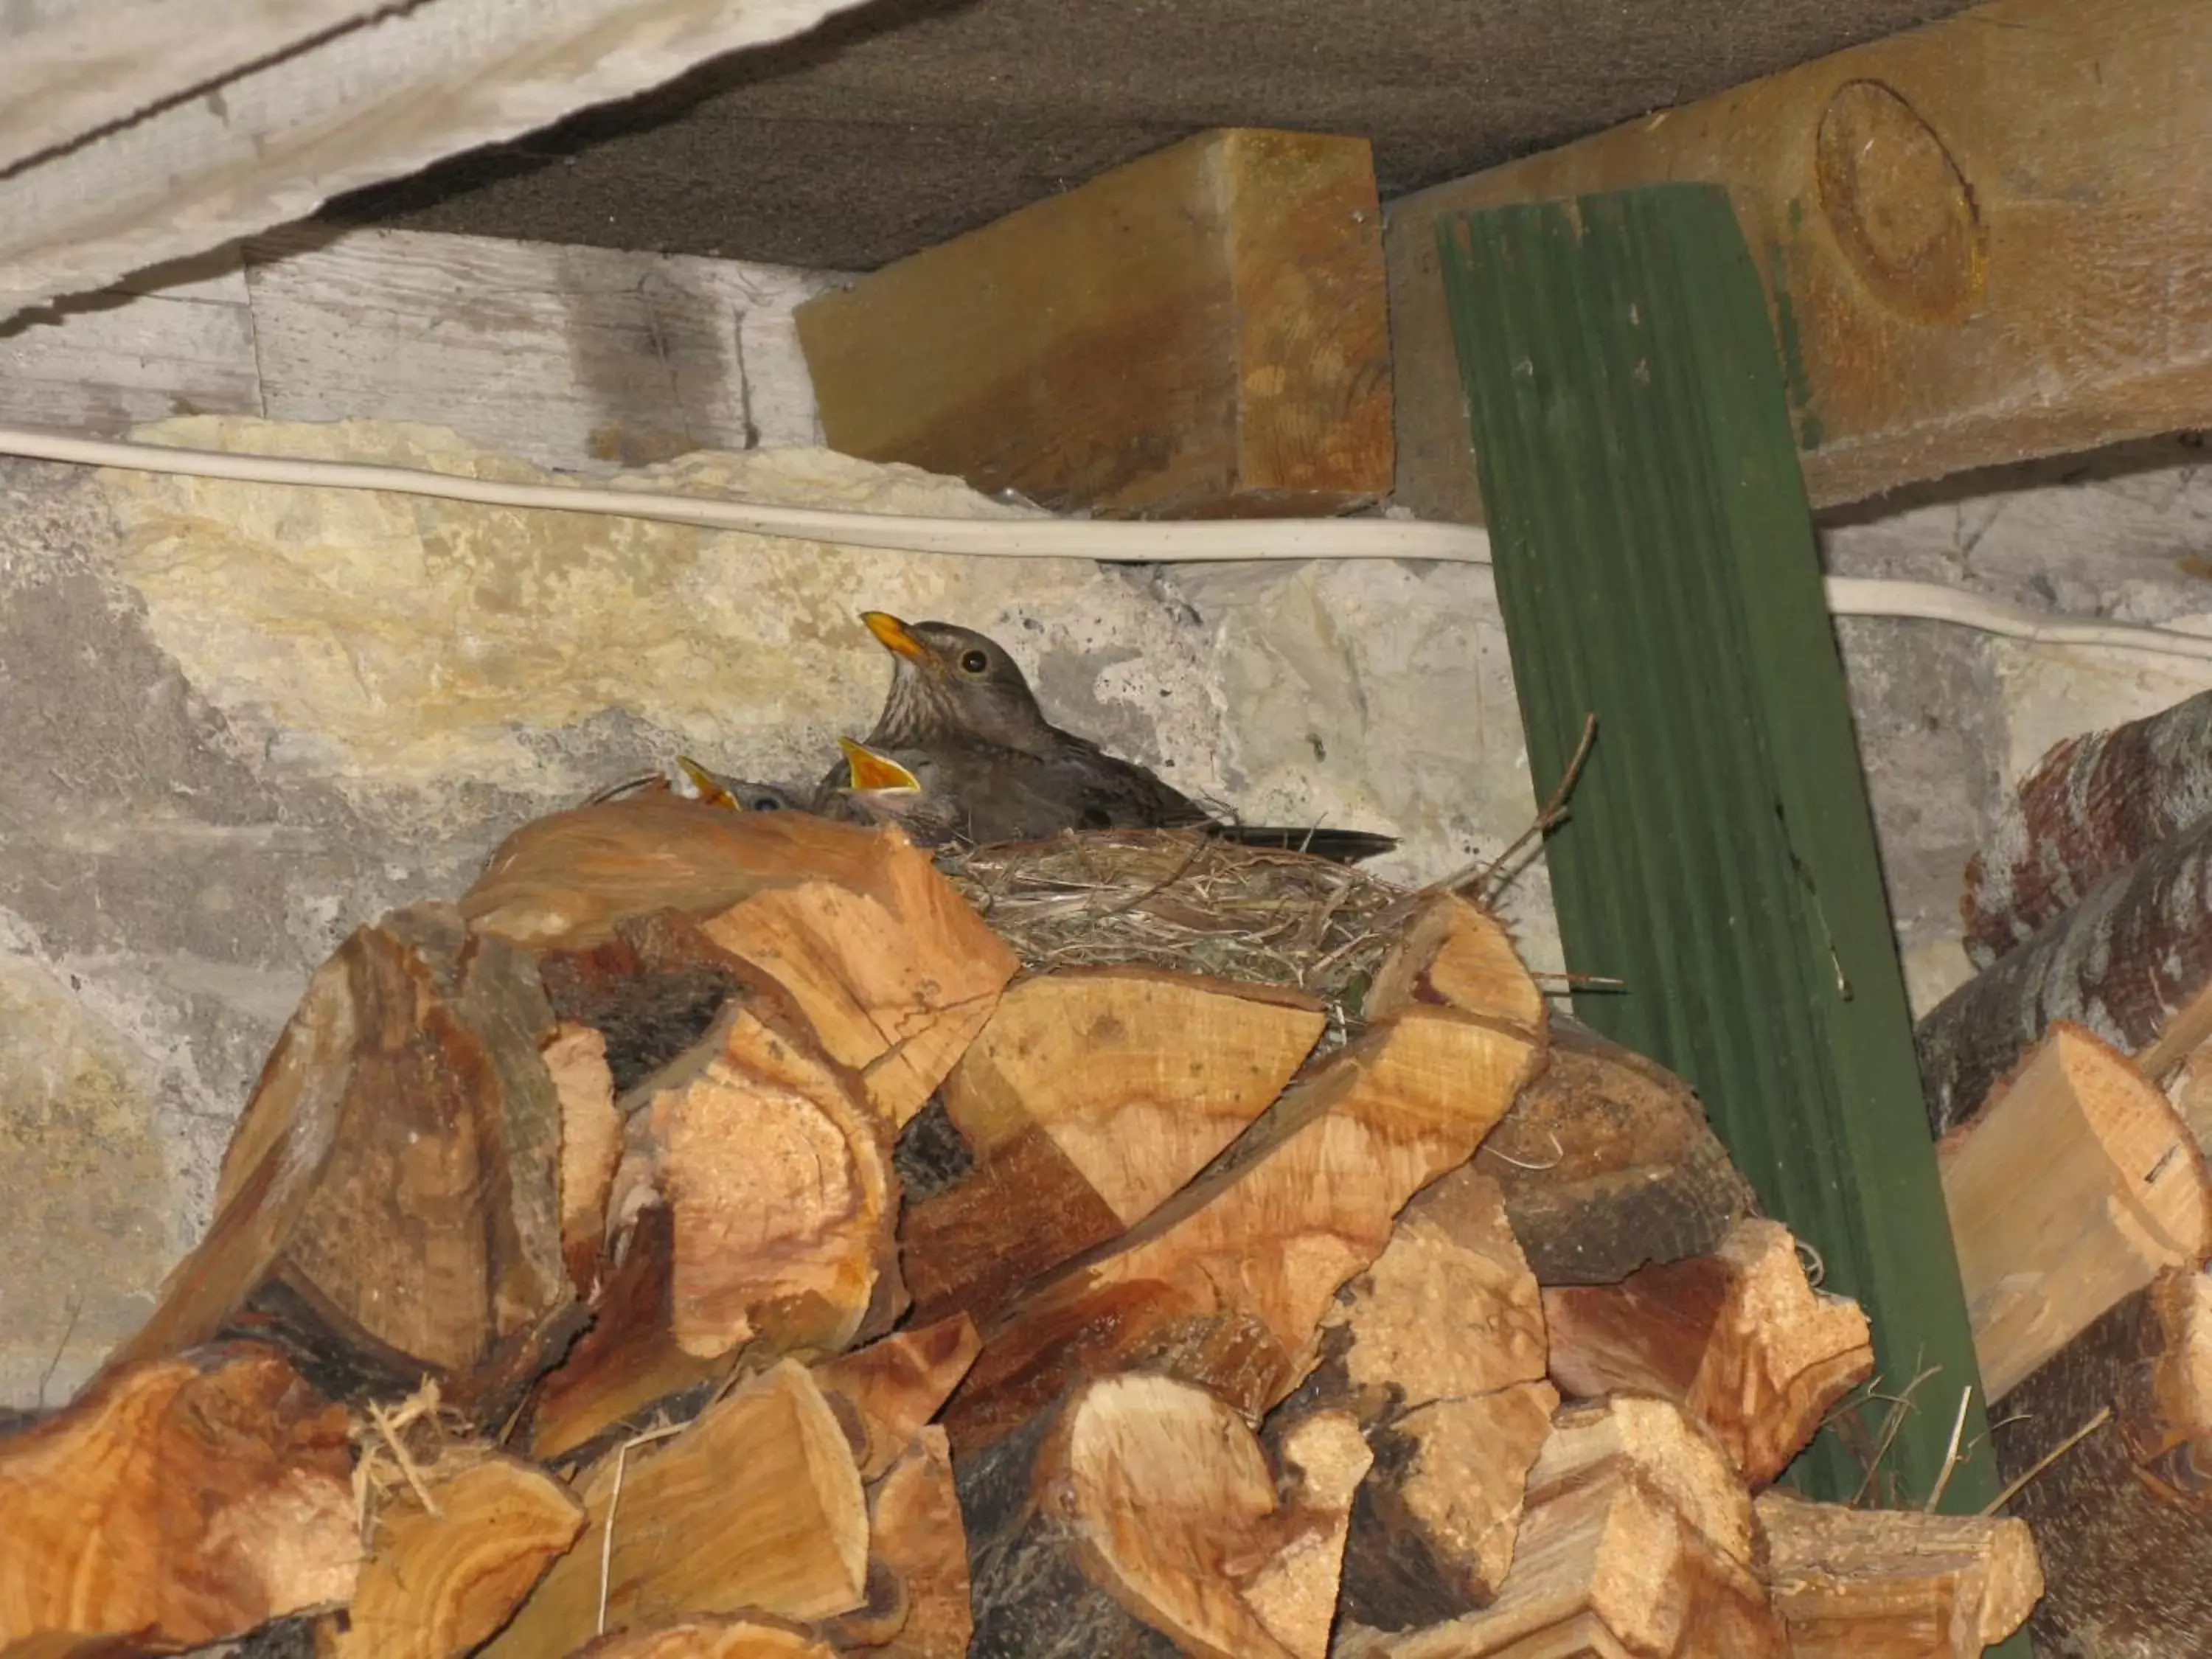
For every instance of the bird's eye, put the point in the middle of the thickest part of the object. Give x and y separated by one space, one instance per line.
766 805
973 662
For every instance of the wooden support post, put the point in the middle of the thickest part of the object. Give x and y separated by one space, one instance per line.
1199 332
1968 235
1656 569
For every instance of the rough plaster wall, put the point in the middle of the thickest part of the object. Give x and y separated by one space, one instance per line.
1949 719
237 725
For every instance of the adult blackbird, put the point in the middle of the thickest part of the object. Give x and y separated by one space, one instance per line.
961 722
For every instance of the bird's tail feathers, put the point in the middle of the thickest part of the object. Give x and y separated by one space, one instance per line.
1337 846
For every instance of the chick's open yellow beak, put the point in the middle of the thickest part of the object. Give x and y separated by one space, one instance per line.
709 786
893 635
866 769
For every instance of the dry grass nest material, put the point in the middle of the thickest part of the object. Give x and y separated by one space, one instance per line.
1180 900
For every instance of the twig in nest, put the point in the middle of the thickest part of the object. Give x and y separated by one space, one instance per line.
2104 1416
388 1427
1815 1265
1552 815
614 1502
1892 1424
1950 1452
1558 1154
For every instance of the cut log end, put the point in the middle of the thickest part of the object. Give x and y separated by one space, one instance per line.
1739 1338
179 1501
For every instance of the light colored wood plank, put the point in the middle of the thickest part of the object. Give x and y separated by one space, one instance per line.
180 152
102 366
1985 240
576 358
1200 332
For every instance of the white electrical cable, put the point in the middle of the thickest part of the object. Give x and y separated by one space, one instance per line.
1113 541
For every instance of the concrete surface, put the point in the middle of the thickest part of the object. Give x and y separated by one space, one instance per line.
904 122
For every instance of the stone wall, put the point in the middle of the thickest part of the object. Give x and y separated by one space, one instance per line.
239 721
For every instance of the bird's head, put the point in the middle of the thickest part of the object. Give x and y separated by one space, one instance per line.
735 795
951 683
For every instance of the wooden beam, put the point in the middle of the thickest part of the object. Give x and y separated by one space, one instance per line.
122 147
1982 241
574 358
1202 331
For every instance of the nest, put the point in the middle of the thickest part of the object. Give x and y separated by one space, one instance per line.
1185 901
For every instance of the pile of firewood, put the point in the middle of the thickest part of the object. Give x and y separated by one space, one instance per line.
706 1239
2072 1082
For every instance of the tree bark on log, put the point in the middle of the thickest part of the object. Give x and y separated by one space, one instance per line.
1738 1339
2129 961
2076 1186
1895 1584
2126 1550
181 1500
1142 1517
1607 1163
1091 1096
1225 1285
437 1585
2094 804
755 1505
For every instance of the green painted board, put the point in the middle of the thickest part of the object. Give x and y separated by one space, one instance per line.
1657 567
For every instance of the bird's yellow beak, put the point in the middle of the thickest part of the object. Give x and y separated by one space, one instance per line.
709 786
893 635
866 769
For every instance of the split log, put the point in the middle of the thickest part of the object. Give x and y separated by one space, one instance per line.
2126 1550
893 1388
710 1638
1225 1284
1895 1584
389 1205
754 1506
2132 962
591 1147
1737 1338
1455 953
436 1585
915 1531
895 974
2075 1186
2094 804
1434 1523
565 881
630 1357
880 955
178 1501
1607 1163
1142 1519
1638 1540
775 1168
1438 1351
1090 1098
